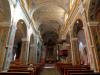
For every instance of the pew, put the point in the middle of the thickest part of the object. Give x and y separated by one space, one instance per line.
68 72
24 68
14 73
19 70
74 69
69 69
63 68
85 73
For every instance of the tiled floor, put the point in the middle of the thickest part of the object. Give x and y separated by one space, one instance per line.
49 70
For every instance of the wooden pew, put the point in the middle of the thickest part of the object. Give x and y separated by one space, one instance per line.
85 73
24 68
74 69
69 69
19 70
68 72
14 73
61 66
64 67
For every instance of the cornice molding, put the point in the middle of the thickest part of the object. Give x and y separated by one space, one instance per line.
25 40
93 23
5 24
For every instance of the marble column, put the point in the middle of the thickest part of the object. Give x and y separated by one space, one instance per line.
24 51
31 54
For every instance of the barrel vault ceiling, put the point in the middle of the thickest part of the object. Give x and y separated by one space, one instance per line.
49 16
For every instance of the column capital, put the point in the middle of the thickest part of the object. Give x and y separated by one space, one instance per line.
84 27
67 44
25 40
32 45
95 23
74 39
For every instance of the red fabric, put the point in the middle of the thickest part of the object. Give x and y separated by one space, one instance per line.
63 53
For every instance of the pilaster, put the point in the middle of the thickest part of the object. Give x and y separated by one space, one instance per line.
93 31
74 49
31 54
4 30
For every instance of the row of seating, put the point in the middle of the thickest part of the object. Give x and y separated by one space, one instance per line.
69 69
20 69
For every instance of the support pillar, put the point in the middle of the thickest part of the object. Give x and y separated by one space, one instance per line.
24 51
92 28
75 51
43 52
92 52
31 54
4 30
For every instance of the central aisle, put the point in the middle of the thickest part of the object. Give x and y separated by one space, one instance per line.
49 69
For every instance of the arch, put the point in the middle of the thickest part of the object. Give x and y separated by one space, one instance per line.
77 27
80 43
20 35
31 55
21 26
82 47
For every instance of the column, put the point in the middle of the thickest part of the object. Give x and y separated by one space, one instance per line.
43 52
75 51
24 51
31 54
3 40
55 53
92 27
68 59
75 55
9 46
